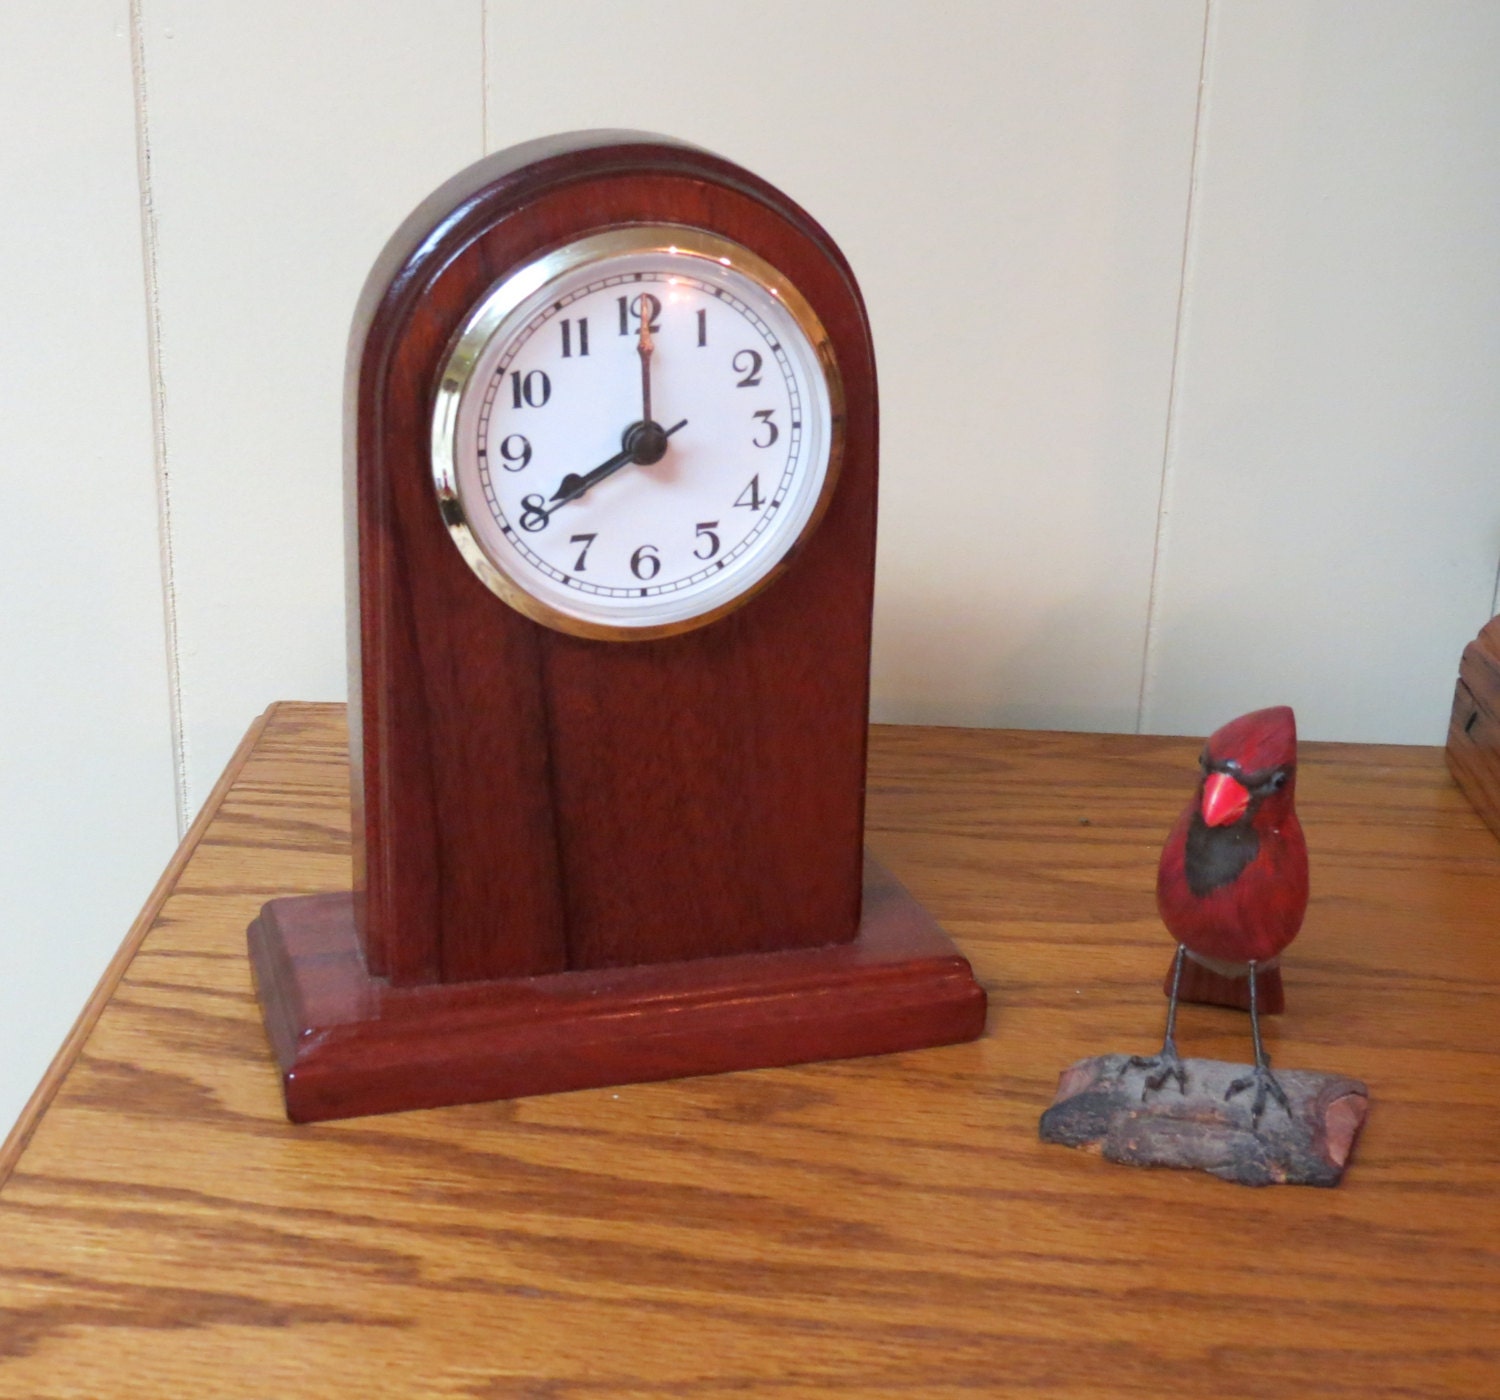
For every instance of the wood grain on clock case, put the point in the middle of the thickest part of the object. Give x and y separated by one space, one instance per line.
529 802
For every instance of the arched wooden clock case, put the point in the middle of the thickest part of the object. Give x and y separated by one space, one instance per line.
581 862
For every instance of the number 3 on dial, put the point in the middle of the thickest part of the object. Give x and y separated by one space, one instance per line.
621 485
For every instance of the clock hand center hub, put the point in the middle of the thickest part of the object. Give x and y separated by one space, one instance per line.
646 442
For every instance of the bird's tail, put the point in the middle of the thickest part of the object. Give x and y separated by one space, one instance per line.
1227 984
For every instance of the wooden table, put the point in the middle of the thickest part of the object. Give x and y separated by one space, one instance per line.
877 1228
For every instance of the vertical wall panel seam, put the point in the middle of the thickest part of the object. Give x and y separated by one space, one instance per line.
1495 596
1174 378
484 77
158 413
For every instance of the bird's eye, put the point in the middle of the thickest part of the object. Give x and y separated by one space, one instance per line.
1278 780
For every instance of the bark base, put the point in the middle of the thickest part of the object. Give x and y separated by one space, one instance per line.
1103 1105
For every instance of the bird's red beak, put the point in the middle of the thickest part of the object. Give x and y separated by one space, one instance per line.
1224 799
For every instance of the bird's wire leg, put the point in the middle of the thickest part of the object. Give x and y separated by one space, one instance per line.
1168 1064
1261 1077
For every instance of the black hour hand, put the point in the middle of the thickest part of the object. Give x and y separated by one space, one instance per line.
572 486
642 444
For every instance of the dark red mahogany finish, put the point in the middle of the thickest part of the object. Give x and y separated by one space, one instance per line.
350 1044
600 828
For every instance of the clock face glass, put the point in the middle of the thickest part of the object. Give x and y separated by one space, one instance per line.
633 432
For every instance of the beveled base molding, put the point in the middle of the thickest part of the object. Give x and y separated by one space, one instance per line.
350 1044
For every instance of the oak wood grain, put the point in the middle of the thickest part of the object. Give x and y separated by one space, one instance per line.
78 1033
876 1228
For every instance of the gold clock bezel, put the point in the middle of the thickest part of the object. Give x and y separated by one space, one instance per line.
489 316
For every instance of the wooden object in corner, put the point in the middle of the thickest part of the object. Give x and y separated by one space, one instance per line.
1473 748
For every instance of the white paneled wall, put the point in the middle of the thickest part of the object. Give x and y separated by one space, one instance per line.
1332 506
86 807
1188 318
286 142
1011 187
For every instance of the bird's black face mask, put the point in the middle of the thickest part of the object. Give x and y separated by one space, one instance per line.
1216 855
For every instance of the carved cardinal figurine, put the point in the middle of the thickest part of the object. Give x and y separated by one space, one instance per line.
1232 886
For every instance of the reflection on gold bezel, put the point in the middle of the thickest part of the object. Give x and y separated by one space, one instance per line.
506 297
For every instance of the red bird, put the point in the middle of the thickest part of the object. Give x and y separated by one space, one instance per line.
1232 886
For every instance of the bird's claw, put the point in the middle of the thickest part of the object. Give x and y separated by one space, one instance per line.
1266 1085
1160 1068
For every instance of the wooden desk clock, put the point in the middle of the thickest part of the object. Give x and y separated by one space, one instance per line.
611 470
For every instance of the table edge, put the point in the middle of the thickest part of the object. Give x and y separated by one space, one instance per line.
41 1098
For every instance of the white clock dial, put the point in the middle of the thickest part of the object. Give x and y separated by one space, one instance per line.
632 432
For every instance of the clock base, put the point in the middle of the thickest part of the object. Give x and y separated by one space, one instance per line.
350 1044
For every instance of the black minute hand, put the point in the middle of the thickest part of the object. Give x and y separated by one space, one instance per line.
644 443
